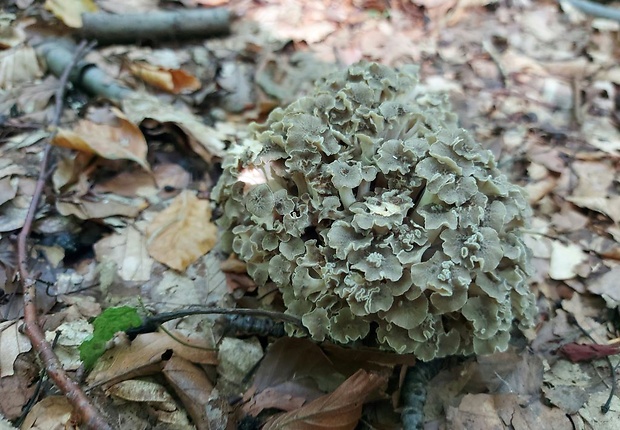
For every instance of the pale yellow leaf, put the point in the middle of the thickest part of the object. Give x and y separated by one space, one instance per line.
68 337
128 250
564 260
53 412
19 65
141 391
181 233
70 11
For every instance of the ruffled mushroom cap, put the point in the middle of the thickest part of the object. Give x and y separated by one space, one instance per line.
380 219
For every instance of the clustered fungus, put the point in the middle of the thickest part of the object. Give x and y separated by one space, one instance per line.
379 218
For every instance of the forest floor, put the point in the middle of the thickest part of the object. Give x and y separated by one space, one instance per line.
536 82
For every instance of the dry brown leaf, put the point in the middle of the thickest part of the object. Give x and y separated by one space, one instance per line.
140 391
210 3
53 412
237 358
595 177
602 133
202 283
13 213
340 410
568 219
287 396
592 415
171 175
175 81
129 184
153 396
603 246
31 99
8 189
587 310
366 358
183 232
79 307
16 390
297 22
18 65
67 338
8 166
539 189
72 174
499 411
293 372
609 206
102 207
12 217
204 140
119 139
607 286
127 250
12 343
128 6
11 32
144 356
291 358
70 11
233 265
195 391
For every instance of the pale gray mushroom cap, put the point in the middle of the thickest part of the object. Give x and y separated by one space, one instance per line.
378 217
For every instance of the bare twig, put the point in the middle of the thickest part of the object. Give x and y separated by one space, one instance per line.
88 414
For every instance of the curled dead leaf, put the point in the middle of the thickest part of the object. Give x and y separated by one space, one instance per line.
340 410
120 139
175 81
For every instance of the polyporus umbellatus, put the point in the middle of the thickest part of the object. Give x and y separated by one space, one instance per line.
379 218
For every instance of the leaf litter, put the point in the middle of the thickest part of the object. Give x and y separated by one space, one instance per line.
535 82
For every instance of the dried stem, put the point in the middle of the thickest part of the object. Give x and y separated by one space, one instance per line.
88 414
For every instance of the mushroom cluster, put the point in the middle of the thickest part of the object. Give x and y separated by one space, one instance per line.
378 218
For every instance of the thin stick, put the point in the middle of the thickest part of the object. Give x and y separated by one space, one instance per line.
88 414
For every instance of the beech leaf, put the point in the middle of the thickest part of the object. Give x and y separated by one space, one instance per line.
174 81
182 232
340 410
119 139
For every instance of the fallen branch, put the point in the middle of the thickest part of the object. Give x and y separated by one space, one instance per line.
596 10
152 322
414 391
88 414
166 26
59 53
